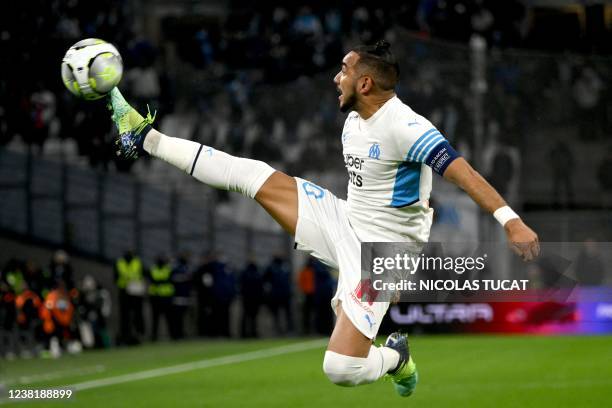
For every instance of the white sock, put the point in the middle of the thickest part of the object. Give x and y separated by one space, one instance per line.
210 166
350 371
390 357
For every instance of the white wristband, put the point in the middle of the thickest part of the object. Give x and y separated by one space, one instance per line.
504 214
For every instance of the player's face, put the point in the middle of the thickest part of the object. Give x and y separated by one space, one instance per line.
346 82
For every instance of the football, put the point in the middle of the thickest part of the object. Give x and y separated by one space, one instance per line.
91 68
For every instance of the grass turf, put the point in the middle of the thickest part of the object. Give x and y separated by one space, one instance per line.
460 371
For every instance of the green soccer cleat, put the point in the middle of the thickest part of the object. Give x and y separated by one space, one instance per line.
130 124
405 375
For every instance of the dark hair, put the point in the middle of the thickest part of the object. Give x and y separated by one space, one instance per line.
381 61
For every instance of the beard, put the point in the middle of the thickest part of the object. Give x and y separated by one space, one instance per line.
348 103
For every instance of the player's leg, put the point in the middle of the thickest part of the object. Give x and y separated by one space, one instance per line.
325 231
346 339
275 191
351 359
278 196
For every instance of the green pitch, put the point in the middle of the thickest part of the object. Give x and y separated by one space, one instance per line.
455 371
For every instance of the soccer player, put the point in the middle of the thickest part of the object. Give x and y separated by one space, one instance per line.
390 153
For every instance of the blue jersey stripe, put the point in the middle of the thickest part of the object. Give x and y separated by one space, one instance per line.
427 149
423 143
407 184
419 140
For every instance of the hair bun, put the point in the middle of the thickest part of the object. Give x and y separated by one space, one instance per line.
382 46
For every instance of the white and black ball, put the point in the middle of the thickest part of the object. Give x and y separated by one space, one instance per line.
91 68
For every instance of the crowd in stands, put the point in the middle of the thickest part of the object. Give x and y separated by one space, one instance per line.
204 76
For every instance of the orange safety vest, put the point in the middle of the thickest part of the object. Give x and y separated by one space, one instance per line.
306 280
20 302
57 309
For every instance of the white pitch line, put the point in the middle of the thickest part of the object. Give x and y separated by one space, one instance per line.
54 375
196 365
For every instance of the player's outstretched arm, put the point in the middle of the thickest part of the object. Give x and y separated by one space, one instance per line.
522 239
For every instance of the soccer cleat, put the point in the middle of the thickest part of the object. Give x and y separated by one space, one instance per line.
405 375
130 124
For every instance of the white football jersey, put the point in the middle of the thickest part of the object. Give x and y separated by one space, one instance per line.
388 158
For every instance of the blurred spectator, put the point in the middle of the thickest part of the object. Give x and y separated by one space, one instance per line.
10 275
307 23
499 159
58 322
13 276
562 162
42 114
589 266
325 286
27 306
203 280
61 269
482 20
143 82
306 283
91 122
94 308
181 280
161 291
588 90
129 275
277 291
224 290
251 289
36 280
604 176
206 54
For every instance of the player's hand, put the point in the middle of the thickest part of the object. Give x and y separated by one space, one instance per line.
522 240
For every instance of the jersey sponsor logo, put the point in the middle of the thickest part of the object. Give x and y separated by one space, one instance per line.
353 162
313 190
355 179
374 152
415 122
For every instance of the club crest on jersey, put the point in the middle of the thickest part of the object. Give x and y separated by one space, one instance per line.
374 152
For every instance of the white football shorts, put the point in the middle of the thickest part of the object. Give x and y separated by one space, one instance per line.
323 230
